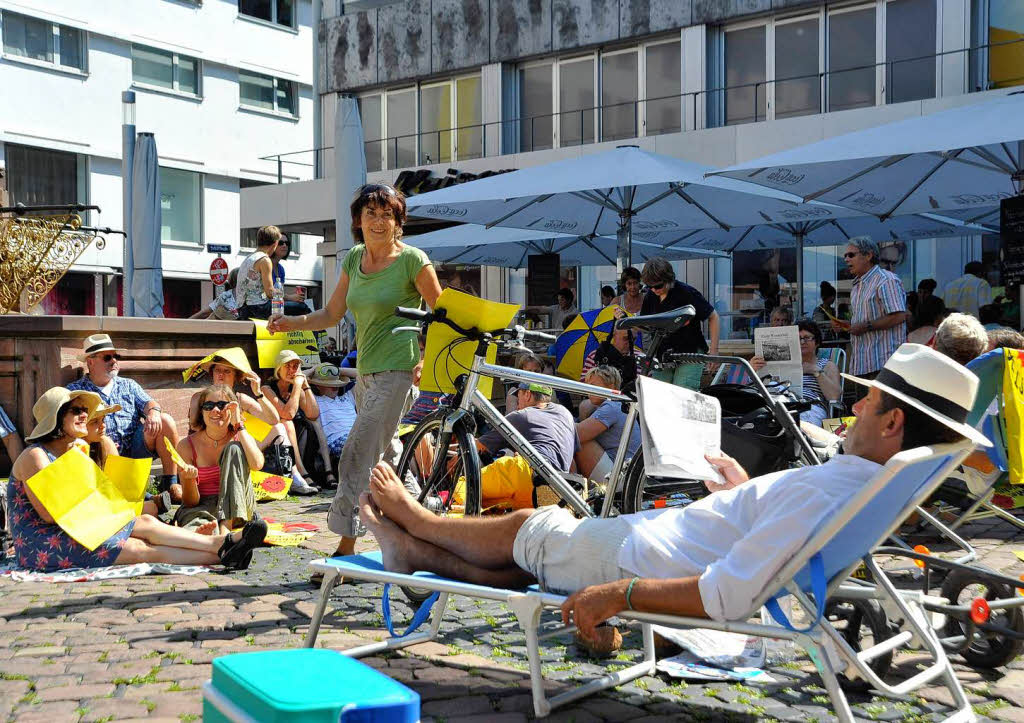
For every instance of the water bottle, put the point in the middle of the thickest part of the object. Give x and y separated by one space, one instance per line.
277 303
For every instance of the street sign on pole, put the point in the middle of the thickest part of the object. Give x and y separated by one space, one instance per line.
218 271
218 248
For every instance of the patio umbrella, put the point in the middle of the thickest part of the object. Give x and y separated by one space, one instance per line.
583 335
967 157
147 289
614 193
350 174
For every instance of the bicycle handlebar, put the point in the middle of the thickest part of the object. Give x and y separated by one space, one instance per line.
429 317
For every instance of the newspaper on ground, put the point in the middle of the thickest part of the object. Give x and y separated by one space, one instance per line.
779 346
669 414
716 647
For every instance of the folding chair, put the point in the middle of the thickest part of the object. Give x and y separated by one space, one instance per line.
825 562
836 355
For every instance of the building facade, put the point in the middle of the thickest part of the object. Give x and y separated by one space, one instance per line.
219 84
483 85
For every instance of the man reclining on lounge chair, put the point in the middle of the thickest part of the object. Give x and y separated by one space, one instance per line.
709 559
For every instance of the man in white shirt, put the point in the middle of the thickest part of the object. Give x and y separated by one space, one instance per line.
709 559
968 293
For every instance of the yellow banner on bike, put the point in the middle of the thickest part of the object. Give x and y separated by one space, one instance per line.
1013 410
446 357
268 345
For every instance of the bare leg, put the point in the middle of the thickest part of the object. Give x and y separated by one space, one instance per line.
321 441
346 546
292 440
401 552
157 534
138 550
586 409
482 541
587 458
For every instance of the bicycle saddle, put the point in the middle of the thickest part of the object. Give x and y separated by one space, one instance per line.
666 321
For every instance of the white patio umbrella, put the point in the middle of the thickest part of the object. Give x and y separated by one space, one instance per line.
350 175
967 157
147 285
614 193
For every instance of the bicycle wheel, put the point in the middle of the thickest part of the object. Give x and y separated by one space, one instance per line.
640 492
437 461
988 649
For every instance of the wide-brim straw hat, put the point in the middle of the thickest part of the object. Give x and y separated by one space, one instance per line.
98 343
233 357
326 374
933 384
46 407
285 356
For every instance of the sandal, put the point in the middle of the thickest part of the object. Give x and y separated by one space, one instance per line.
237 554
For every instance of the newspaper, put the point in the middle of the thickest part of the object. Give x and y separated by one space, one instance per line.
669 414
779 346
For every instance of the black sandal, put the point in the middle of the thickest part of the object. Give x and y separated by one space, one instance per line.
238 554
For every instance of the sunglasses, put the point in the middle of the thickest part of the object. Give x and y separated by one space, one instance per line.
110 357
210 406
76 410
656 287
375 187
851 254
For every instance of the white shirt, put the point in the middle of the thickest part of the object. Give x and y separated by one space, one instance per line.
737 539
337 415
968 294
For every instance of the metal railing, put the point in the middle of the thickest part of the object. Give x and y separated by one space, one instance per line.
892 81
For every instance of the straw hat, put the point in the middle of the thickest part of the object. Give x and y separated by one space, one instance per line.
46 407
283 357
326 374
98 343
233 357
931 383
103 410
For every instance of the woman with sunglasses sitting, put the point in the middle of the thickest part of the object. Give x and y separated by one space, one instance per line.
216 485
62 418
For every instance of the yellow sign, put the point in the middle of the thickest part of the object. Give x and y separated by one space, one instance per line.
270 486
443 363
82 499
270 345
130 477
174 454
256 427
1013 410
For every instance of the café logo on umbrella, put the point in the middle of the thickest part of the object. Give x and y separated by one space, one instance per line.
445 211
785 177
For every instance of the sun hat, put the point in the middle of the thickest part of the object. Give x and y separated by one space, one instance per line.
326 374
233 357
283 357
46 407
103 410
933 384
539 388
98 343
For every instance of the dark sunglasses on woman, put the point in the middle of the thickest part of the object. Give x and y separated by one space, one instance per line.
210 406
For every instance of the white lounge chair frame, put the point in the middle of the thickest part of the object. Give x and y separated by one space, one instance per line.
931 465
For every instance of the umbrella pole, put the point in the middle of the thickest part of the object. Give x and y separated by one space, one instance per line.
799 310
624 238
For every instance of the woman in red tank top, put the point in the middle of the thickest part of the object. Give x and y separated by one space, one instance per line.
217 492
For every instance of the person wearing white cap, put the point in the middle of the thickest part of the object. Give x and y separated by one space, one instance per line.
140 426
291 396
711 558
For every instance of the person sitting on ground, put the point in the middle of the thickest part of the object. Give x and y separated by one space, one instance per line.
931 310
601 432
1005 338
216 485
224 305
527 361
40 544
821 382
291 395
712 558
337 410
961 337
9 435
140 427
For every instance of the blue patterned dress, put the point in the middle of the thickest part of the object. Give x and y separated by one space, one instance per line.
44 546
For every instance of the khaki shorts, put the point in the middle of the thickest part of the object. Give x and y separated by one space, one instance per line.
567 554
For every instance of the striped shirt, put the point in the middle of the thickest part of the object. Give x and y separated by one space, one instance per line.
812 392
968 294
875 295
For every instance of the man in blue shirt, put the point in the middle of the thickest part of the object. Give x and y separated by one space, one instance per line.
140 427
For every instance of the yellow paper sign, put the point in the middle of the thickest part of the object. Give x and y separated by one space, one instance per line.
442 365
1013 410
268 345
174 454
270 486
256 427
130 477
82 500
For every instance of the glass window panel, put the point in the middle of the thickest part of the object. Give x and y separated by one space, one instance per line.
535 108
188 74
468 117
256 90
401 130
910 33
179 205
28 37
576 102
152 66
285 94
1006 26
851 59
663 89
797 85
38 177
285 12
745 97
619 96
369 114
261 9
436 123
71 48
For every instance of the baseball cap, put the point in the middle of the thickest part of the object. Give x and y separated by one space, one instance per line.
539 388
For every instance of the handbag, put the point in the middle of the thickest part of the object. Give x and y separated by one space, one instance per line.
278 458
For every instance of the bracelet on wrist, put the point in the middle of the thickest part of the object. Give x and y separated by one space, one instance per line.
629 593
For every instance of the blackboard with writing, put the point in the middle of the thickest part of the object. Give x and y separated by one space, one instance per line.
1011 232
542 279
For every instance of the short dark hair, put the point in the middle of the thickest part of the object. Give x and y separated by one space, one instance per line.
974 267
919 429
811 328
565 294
928 285
827 290
1005 338
58 428
630 272
989 314
378 195
930 311
607 291
658 270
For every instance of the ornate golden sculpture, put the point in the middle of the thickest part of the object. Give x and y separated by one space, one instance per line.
35 252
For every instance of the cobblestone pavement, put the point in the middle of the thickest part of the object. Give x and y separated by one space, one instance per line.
140 648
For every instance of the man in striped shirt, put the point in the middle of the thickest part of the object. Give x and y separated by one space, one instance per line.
879 309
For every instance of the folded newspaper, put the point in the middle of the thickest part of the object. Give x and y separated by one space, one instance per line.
679 426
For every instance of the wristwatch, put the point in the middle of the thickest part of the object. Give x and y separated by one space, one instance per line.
870 325
259 396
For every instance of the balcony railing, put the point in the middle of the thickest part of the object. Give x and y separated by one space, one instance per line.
893 81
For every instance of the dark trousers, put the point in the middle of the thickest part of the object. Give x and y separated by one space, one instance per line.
262 311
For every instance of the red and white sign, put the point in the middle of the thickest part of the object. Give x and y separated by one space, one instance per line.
219 271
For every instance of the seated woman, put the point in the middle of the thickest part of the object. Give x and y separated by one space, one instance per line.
40 544
821 377
293 399
216 485
601 432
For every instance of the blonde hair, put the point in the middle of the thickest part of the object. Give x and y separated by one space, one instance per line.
609 375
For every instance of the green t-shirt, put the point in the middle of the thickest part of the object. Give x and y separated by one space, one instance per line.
372 299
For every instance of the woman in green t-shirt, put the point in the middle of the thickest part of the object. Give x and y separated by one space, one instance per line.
378 274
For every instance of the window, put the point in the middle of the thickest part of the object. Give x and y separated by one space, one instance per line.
35 39
267 93
180 205
797 85
909 50
851 59
469 116
401 128
576 102
435 123
279 12
164 69
369 114
663 88
746 98
619 78
41 177
535 107
1006 38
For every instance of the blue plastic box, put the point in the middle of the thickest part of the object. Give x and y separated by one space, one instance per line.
307 685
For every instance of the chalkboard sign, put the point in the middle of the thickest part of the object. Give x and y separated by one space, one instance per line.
1011 231
542 279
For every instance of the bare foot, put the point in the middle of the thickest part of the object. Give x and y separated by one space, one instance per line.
391 538
392 499
207 528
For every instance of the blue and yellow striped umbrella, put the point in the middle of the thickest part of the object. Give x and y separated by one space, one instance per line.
580 338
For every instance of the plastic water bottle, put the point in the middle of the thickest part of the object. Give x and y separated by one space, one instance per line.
277 303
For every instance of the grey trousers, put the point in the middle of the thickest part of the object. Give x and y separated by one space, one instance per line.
235 500
381 401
